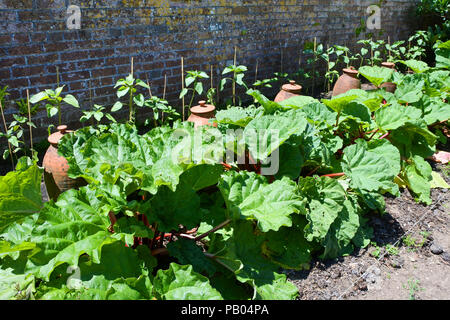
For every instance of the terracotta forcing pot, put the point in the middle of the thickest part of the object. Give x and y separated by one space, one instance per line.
288 90
201 114
346 82
55 167
389 86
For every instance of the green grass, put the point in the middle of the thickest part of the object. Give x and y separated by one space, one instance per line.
413 285
413 243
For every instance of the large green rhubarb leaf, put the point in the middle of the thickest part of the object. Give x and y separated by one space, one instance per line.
181 283
20 195
368 169
243 255
298 102
66 230
326 198
376 75
265 134
416 65
410 89
187 252
338 240
270 107
288 247
15 286
171 208
417 176
394 116
120 275
237 116
338 103
250 197
318 114
434 110
443 55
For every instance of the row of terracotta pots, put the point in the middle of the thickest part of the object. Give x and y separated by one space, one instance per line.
348 80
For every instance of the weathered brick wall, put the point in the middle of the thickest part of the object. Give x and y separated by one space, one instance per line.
34 40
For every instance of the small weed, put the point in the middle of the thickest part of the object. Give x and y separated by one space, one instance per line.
413 286
446 170
392 250
414 243
409 241
376 252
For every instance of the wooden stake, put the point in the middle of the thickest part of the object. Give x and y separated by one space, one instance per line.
234 83
182 82
6 132
211 72
314 67
328 67
149 90
131 93
164 96
389 43
90 99
57 76
256 70
165 86
29 120
281 60
59 104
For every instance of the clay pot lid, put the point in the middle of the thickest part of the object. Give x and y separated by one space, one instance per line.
350 71
390 65
203 108
56 136
292 87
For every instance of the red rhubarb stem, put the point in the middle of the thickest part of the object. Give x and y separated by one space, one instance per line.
332 175
385 135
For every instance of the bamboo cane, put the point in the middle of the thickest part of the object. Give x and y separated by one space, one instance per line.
131 92
59 104
182 83
6 132
234 76
314 67
29 124
164 96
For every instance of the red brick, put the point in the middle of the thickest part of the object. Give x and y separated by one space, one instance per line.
17 83
5 39
103 72
90 64
43 59
25 50
5 74
117 60
77 85
9 62
74 55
